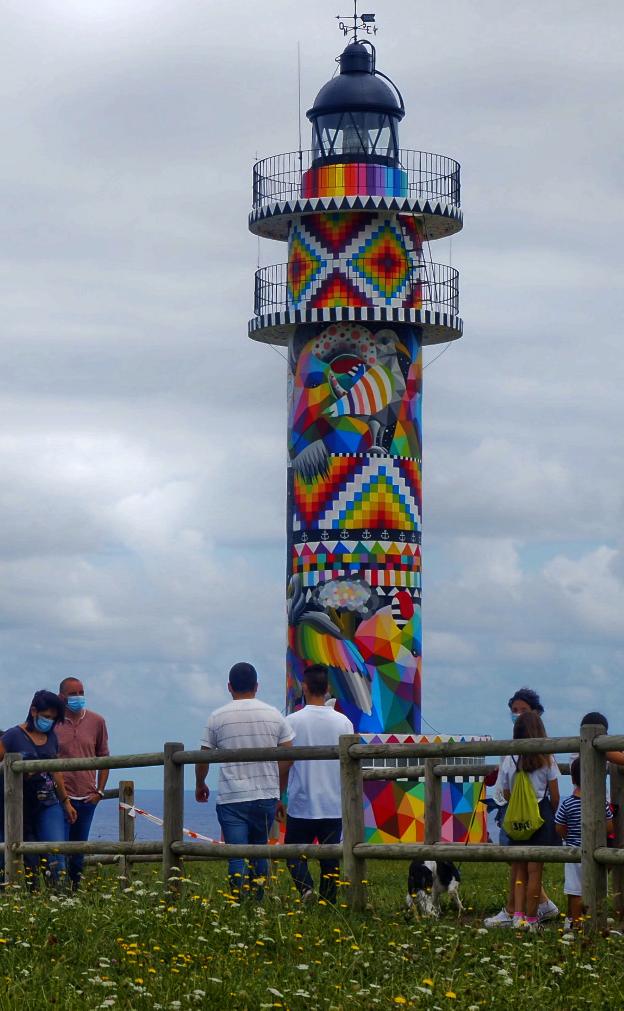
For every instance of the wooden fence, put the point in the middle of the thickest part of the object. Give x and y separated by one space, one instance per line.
593 854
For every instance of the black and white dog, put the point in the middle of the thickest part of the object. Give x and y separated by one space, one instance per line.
427 880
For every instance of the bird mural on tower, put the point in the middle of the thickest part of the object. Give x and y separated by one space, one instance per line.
315 636
349 389
377 391
367 644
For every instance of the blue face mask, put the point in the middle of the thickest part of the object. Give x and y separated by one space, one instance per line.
514 717
75 703
44 724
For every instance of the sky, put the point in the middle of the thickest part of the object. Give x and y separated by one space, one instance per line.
143 436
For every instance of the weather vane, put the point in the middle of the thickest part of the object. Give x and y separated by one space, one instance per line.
363 23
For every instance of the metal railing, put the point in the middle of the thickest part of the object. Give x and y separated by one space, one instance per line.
433 177
434 284
593 854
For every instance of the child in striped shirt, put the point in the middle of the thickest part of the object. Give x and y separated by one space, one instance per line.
568 825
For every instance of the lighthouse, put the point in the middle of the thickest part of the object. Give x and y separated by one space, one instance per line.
357 299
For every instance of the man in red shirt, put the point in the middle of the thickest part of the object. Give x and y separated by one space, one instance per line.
82 734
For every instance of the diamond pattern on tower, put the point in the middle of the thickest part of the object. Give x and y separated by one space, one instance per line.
383 262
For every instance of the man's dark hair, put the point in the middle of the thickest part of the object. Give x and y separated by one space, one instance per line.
575 771
243 677
45 700
595 718
531 698
316 679
66 681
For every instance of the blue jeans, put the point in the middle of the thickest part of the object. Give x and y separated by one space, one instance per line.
247 822
78 832
41 824
45 824
307 830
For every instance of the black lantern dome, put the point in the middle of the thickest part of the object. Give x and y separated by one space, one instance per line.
355 116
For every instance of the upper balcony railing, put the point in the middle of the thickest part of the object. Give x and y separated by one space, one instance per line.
427 176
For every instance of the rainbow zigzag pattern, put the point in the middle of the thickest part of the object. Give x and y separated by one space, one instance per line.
364 492
359 179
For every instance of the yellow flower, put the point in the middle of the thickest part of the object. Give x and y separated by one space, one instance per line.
449 993
400 1000
139 980
428 982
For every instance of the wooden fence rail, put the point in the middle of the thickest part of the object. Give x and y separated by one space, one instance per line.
352 755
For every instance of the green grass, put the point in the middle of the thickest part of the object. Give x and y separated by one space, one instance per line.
107 948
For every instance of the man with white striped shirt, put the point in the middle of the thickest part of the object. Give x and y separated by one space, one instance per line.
248 792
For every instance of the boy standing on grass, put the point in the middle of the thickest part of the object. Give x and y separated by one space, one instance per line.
568 825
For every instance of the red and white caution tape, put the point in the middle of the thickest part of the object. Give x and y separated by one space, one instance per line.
155 820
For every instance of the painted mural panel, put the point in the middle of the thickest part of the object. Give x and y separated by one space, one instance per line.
395 812
355 518
358 260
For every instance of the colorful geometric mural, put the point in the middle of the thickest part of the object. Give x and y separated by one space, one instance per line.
354 179
394 810
355 519
355 259
304 266
383 262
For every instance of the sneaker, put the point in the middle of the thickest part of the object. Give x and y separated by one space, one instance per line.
547 911
502 919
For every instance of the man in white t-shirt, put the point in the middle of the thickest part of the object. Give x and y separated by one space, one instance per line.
248 792
314 808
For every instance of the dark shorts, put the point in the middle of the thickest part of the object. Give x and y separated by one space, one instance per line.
547 834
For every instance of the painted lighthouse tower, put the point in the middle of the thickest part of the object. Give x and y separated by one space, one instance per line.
356 302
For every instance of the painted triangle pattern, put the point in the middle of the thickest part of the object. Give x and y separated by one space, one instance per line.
378 496
304 266
336 231
338 289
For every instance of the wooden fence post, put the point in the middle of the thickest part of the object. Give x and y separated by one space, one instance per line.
617 800
593 827
126 828
13 818
352 793
433 802
173 816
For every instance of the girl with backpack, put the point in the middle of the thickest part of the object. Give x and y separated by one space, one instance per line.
541 788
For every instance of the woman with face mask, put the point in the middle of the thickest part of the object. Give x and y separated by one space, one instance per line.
46 804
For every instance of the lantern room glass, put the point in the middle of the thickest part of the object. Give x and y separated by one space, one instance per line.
355 136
